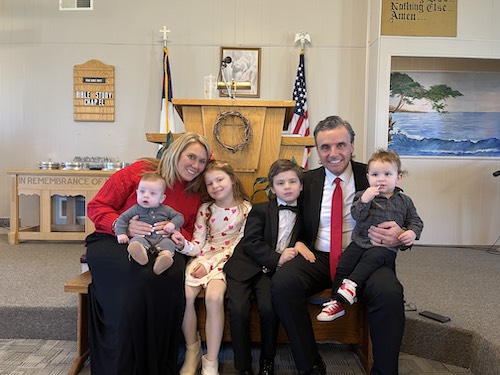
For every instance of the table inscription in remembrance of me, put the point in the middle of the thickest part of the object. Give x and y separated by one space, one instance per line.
58 180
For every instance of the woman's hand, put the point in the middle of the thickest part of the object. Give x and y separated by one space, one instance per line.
138 228
385 234
160 226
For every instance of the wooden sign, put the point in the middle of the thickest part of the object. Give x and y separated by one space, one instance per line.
94 91
419 18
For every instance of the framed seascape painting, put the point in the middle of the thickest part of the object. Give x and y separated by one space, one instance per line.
244 66
452 113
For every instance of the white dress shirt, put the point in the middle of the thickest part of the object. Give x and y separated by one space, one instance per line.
286 222
348 190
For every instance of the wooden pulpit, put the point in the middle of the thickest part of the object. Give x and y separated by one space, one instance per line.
245 133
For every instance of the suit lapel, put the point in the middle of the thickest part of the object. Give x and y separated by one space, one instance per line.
314 205
360 179
273 219
296 230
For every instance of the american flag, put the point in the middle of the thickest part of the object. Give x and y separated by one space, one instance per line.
299 124
167 122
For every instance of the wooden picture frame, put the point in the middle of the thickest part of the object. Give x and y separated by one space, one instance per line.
244 66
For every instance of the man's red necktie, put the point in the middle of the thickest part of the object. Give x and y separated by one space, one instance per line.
336 228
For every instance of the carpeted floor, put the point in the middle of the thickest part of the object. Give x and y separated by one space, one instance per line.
52 357
457 282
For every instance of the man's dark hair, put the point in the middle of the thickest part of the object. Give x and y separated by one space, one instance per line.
334 122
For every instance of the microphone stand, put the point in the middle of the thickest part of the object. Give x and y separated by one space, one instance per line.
221 73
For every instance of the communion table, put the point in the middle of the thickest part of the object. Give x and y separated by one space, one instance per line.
47 184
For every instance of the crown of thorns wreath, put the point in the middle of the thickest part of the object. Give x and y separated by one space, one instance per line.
247 131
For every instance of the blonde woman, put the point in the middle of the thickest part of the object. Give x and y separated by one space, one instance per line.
135 316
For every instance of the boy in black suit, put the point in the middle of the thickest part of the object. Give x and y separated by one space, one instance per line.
270 233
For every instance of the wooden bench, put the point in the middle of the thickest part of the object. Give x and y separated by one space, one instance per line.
350 329
80 285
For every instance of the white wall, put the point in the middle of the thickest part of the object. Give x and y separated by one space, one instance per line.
40 46
346 69
458 198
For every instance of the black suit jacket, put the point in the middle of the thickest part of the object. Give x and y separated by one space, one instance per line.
257 248
312 194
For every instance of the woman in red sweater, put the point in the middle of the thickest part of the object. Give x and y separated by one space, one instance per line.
135 316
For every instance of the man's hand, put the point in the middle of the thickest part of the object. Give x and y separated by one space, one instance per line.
385 234
305 252
138 228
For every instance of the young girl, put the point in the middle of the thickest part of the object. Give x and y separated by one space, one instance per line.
219 227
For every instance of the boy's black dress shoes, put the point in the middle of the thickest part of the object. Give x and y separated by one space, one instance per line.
318 369
267 367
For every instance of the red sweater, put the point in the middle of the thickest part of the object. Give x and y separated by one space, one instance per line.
119 193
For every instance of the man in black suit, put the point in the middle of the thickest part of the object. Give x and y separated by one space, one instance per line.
300 279
268 242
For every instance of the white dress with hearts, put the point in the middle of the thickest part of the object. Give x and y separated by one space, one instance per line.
216 233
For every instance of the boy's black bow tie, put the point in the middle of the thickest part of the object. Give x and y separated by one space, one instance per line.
287 207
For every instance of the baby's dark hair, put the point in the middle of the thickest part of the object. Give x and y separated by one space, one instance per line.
386 156
284 165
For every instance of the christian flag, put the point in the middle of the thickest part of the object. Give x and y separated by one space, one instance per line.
299 124
167 122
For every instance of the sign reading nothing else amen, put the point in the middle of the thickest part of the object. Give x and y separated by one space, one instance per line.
419 18
94 92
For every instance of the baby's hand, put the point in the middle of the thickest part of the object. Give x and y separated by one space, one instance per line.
369 194
407 237
169 227
122 238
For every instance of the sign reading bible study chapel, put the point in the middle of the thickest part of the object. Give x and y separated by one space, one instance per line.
94 91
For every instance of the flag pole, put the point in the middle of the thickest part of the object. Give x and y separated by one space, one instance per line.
165 32
166 96
299 124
